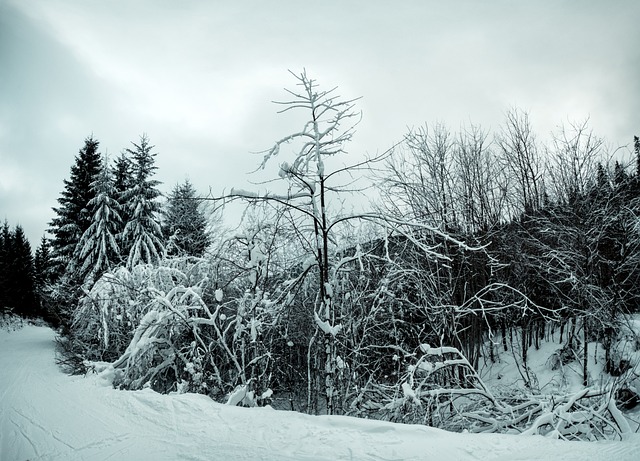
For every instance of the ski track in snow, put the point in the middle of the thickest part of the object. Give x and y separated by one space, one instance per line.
47 415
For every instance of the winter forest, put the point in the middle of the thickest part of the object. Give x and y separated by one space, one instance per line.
469 280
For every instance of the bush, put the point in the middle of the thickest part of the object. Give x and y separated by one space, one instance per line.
10 321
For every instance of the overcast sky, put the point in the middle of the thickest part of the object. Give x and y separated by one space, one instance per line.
199 76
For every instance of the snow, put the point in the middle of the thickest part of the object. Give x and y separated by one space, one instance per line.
45 414
565 379
409 393
326 327
243 193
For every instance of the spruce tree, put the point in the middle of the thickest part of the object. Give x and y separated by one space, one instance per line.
143 233
5 250
21 278
42 263
98 249
123 181
72 216
620 176
43 276
185 225
636 149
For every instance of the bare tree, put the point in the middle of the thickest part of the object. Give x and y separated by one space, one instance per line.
482 184
311 179
419 179
573 160
520 157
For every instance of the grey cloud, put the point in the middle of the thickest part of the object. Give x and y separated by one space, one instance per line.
199 79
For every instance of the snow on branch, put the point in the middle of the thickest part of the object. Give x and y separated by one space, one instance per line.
326 327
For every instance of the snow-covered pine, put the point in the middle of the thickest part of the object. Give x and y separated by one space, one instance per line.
73 216
143 233
98 250
185 225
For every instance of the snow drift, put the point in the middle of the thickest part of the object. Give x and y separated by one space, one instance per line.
45 414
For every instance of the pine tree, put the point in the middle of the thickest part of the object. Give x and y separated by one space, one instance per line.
21 277
185 225
5 249
123 181
42 264
620 176
73 216
43 275
143 233
98 249
122 173
636 149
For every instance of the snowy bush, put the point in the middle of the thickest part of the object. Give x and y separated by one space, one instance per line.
11 322
107 315
110 312
442 389
153 323
436 389
164 352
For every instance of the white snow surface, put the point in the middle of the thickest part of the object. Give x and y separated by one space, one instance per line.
47 415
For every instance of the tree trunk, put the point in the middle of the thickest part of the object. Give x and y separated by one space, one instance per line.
525 345
585 359
503 327
608 335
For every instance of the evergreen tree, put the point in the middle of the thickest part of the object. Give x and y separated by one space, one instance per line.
72 216
5 250
17 290
620 176
123 181
21 277
42 264
636 149
185 225
602 179
143 233
43 275
98 249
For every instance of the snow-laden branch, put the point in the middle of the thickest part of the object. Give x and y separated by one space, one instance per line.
326 327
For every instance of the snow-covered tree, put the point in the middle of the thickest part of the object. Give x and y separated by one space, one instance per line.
185 225
123 182
98 249
314 179
43 278
73 216
143 232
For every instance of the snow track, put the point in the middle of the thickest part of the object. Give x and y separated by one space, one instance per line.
46 415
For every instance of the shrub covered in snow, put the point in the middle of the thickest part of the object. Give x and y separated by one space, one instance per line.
153 323
109 314
441 388
11 322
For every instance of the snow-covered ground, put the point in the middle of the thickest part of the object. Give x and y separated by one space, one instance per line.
505 376
47 415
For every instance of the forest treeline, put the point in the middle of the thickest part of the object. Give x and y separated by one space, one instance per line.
109 214
478 243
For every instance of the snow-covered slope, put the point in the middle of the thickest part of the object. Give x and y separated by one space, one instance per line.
46 415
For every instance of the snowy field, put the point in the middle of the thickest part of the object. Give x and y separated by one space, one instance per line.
47 415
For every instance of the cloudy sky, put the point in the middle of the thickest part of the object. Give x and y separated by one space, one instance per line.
199 76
